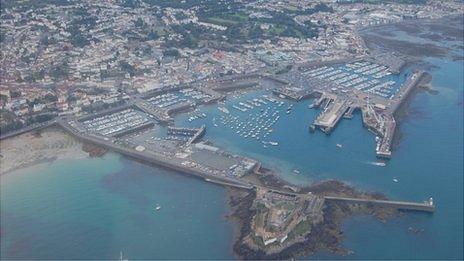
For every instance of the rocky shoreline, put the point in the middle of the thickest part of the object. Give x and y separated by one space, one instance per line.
93 150
327 235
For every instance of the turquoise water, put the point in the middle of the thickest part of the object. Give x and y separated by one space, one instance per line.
95 208
427 163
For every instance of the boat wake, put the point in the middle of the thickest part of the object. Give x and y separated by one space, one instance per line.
376 163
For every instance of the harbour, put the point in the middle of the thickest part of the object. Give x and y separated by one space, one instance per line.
344 155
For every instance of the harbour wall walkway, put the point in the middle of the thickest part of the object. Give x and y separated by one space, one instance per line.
402 205
151 158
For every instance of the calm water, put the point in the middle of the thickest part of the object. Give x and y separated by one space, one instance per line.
95 208
427 163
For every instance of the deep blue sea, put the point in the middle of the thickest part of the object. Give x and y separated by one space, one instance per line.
95 208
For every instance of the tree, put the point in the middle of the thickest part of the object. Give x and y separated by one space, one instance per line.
171 52
256 32
153 35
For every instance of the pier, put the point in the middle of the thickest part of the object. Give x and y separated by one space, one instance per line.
153 158
293 93
159 115
349 113
406 89
427 206
193 133
331 115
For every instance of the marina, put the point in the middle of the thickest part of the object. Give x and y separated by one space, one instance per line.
254 119
364 76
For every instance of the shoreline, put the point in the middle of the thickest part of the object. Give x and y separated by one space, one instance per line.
325 236
42 146
404 110
31 148
240 203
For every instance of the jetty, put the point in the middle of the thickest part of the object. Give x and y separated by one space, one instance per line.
426 206
170 163
333 111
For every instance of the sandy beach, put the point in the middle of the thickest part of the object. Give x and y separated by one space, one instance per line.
31 148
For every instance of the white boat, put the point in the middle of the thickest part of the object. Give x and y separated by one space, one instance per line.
158 207
121 257
339 145
296 171
395 180
273 143
224 110
380 164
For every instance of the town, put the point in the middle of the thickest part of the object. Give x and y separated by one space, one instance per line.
118 73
